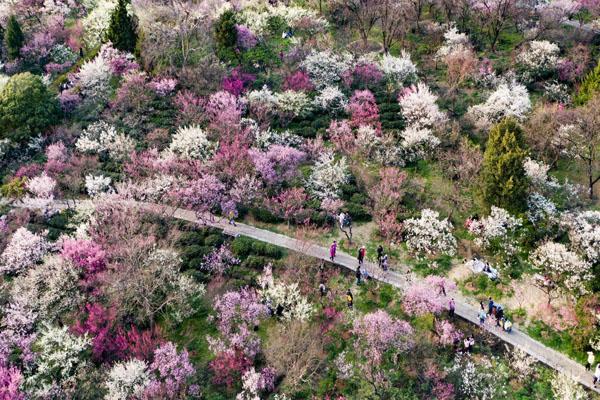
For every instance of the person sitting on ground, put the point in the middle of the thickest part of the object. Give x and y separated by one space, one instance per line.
322 289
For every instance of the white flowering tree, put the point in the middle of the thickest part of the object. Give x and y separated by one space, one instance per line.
331 99
191 143
508 100
24 250
399 71
496 231
328 175
325 67
59 361
127 380
418 143
419 107
292 104
101 137
429 235
560 270
566 388
538 59
584 233
454 41
42 186
97 184
285 297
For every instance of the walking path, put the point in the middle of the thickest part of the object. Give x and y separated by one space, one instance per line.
465 308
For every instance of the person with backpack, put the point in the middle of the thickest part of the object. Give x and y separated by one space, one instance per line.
499 314
349 299
332 250
482 316
361 255
379 255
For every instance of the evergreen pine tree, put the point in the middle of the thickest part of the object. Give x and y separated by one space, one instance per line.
122 28
13 38
504 183
589 87
226 34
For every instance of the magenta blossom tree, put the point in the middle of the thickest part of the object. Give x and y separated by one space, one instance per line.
11 380
170 373
363 110
290 204
299 81
278 163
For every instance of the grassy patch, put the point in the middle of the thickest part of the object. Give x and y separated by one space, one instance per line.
561 341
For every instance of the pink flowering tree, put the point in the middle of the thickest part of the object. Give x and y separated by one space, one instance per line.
24 250
11 380
447 333
277 164
342 137
219 261
202 195
290 204
84 254
299 81
363 110
170 373
429 296
190 108
237 81
386 201
224 112
377 337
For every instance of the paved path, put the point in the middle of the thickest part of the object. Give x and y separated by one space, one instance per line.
465 308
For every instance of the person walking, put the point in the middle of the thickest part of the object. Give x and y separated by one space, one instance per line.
332 250
384 262
451 308
499 315
590 361
482 316
361 255
349 299
231 215
481 305
379 255
490 306
322 289
358 275
597 375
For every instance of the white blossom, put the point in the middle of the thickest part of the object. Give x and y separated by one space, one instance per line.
454 41
399 70
498 225
93 80
97 20
294 103
560 267
263 98
191 143
419 107
418 143
325 67
97 184
537 59
24 250
539 208
42 186
101 137
287 296
328 175
331 99
566 388
508 100
484 380
584 233
429 234
127 380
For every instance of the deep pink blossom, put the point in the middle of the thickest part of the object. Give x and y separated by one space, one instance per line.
170 372
363 110
84 254
278 163
11 380
298 81
237 81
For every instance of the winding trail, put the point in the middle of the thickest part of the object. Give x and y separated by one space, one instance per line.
465 308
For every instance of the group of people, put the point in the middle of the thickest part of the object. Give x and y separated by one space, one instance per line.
382 258
496 311
588 367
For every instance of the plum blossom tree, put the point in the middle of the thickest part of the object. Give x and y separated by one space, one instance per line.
169 373
42 186
495 16
97 184
363 109
201 195
560 269
290 204
24 250
510 99
584 233
11 380
219 260
277 164
328 174
127 380
286 299
564 387
419 107
325 68
399 71
447 333
429 296
191 143
429 234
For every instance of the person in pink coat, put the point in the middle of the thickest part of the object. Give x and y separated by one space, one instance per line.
332 250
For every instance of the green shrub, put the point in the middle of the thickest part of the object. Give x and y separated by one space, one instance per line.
122 28
589 87
214 240
27 108
264 215
13 38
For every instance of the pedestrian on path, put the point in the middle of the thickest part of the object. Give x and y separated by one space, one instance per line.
597 375
499 314
379 255
332 250
451 308
361 255
590 361
384 262
231 216
507 326
349 299
358 275
482 316
490 306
